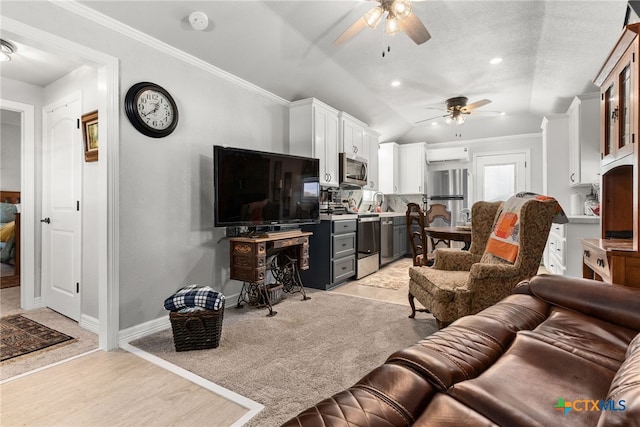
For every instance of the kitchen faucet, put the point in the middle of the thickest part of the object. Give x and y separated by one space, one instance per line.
465 216
375 195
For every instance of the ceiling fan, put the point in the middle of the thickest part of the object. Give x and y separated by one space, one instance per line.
399 17
458 110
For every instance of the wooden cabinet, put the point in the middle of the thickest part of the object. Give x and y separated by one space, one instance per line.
412 164
332 253
616 253
617 98
584 140
388 171
314 132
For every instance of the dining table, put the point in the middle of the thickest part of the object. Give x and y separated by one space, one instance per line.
458 234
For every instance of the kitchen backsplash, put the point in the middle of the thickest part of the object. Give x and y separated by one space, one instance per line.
363 200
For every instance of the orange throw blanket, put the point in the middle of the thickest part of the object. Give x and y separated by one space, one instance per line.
504 241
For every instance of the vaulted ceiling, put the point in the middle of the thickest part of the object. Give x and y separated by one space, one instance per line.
550 50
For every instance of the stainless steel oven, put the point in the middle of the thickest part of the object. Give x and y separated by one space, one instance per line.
368 244
353 171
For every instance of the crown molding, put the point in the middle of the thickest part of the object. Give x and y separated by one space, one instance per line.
119 27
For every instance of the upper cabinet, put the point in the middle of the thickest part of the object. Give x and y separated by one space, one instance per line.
388 171
314 132
618 97
413 165
370 147
402 168
351 136
584 140
320 131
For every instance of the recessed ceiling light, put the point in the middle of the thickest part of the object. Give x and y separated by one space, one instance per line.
434 123
502 113
495 61
396 83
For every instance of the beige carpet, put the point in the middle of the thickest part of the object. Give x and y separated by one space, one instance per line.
391 276
307 352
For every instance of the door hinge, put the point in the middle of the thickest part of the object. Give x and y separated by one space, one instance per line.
78 205
633 57
77 287
78 123
525 164
633 138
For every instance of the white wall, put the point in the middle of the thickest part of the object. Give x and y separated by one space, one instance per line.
530 142
167 238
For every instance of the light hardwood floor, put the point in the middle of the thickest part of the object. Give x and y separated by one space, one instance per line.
112 389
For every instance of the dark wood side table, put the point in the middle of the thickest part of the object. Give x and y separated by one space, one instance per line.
249 255
451 233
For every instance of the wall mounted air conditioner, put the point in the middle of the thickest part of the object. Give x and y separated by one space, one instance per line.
448 154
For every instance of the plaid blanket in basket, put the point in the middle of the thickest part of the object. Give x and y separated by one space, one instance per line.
194 296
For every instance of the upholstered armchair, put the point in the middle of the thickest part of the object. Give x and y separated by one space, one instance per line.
462 283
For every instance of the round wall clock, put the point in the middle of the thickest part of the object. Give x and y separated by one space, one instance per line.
151 109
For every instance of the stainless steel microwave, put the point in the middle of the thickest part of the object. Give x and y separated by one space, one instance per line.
353 171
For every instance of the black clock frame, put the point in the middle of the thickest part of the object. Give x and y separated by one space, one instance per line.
130 108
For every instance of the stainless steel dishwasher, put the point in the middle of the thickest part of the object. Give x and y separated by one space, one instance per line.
386 240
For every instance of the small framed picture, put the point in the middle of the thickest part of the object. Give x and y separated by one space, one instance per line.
90 134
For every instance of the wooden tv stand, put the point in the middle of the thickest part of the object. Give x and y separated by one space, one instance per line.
248 258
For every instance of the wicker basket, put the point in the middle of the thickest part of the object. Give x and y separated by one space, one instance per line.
197 330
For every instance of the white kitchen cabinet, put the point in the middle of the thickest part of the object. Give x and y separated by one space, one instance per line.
370 147
351 136
388 171
564 247
412 164
584 140
314 132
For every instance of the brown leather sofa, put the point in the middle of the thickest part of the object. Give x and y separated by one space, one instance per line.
559 351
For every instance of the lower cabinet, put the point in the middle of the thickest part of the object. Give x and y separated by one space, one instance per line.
399 236
332 254
563 254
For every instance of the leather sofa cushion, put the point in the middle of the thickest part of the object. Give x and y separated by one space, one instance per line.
518 312
625 386
445 411
591 298
390 395
472 343
523 386
599 341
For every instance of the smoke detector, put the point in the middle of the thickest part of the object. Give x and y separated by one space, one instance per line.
198 20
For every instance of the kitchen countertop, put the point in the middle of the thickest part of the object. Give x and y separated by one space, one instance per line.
583 219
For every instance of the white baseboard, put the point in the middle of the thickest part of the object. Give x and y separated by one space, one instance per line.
89 323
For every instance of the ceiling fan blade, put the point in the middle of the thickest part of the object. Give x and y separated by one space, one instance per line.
354 29
431 118
476 104
414 28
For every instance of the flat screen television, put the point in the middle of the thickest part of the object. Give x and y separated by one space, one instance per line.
256 188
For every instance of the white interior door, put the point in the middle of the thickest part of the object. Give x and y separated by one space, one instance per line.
499 176
61 223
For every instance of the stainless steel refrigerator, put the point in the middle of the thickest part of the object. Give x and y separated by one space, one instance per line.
449 187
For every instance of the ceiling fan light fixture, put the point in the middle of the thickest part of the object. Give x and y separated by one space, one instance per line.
7 48
392 26
459 119
401 8
374 16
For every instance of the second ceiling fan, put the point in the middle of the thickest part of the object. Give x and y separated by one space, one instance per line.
399 17
458 109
